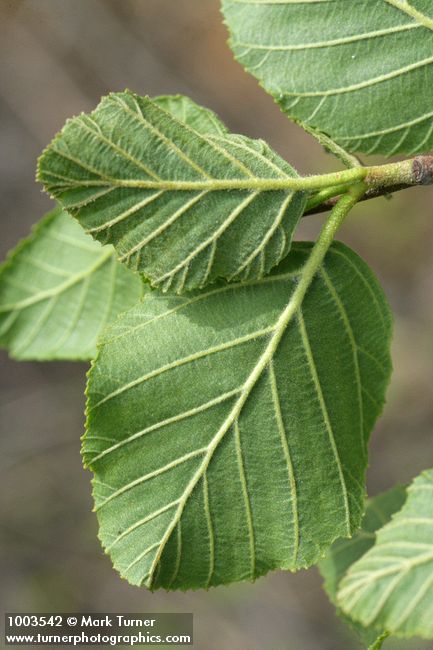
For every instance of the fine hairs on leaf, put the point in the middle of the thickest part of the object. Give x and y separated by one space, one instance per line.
391 586
224 463
157 191
59 289
236 373
344 552
365 56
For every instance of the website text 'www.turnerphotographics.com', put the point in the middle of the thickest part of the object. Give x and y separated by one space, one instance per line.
99 629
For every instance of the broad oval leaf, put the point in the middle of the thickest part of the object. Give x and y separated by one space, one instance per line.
58 290
345 552
225 444
336 65
391 586
158 190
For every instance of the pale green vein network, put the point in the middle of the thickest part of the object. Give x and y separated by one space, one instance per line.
53 292
185 360
175 501
355 348
331 43
408 9
155 187
333 66
58 290
246 498
345 552
210 532
391 586
287 456
325 415
365 84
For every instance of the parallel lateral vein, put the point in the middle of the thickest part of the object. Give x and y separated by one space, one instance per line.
408 9
210 529
265 241
353 344
334 251
120 150
219 149
126 213
367 83
164 423
330 43
60 288
138 115
327 422
150 475
141 522
287 456
163 227
246 497
234 214
178 553
185 360
205 294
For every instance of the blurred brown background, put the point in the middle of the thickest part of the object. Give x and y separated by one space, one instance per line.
57 57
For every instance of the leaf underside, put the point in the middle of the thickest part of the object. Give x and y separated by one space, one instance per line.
391 586
218 458
58 289
198 117
345 552
361 72
121 171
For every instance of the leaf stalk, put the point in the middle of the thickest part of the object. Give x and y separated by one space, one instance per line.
381 180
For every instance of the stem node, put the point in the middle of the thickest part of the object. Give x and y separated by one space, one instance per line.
422 169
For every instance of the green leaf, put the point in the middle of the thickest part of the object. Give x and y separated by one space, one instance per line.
391 586
185 110
361 72
58 289
344 552
235 443
155 188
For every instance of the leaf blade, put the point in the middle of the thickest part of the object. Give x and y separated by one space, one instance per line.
201 481
391 585
155 188
187 111
345 552
333 67
56 311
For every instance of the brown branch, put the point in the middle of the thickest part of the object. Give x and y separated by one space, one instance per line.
370 194
421 174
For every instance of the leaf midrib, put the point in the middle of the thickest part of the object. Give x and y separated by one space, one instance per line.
243 393
290 311
263 184
307 274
